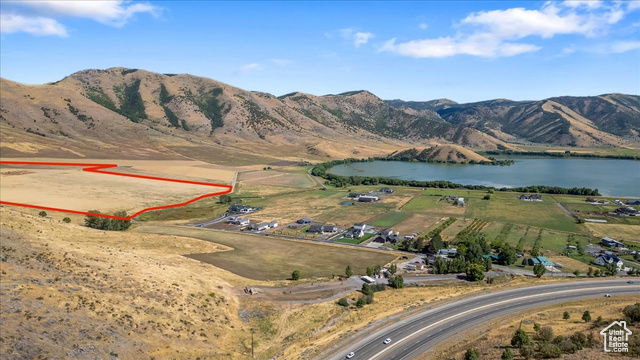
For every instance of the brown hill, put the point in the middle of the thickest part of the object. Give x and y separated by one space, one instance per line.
134 113
441 153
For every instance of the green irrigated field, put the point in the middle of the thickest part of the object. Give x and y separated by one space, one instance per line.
355 241
389 219
421 203
505 207
268 258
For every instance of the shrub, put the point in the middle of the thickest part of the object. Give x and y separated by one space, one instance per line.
67 220
586 316
566 315
548 351
472 354
507 354
545 334
343 302
632 312
42 213
361 302
295 275
520 338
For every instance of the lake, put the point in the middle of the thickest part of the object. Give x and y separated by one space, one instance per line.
611 177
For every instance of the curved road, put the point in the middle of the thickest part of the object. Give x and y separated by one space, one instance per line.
419 333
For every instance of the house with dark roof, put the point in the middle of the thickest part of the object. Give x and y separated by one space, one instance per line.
387 190
240 221
609 242
387 236
533 197
304 221
329 229
243 209
605 259
355 195
633 202
315 228
368 198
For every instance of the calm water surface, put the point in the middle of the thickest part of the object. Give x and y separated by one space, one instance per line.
610 177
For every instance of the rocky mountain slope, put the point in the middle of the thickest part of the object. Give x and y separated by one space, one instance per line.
605 120
135 113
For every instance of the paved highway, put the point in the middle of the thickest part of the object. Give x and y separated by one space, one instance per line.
421 332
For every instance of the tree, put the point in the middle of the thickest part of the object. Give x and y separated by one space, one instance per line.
545 334
343 302
475 272
611 270
348 271
507 354
396 281
632 312
487 197
596 273
527 351
435 244
539 270
376 269
361 302
295 275
536 327
535 251
67 220
487 264
224 199
586 316
520 338
507 255
393 269
590 272
580 247
472 354
576 272
548 350
369 271
42 213
366 289
566 315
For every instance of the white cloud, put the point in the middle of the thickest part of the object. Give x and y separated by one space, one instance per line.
360 38
43 17
624 46
633 5
495 33
11 23
249 68
482 45
115 13
282 62
423 26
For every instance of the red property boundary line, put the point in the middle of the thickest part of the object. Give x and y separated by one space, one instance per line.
99 168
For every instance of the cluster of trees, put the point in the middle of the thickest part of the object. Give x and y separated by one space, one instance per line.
102 223
544 344
560 154
321 170
471 246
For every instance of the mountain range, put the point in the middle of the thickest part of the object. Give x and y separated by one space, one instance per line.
122 112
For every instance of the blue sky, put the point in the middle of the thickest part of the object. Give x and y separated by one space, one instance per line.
464 51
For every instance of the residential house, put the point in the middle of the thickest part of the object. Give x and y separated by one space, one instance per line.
304 221
355 196
386 232
354 233
368 198
446 253
240 221
244 209
626 211
533 197
360 226
387 236
452 198
538 260
262 226
386 190
329 229
415 266
604 260
633 202
315 228
609 242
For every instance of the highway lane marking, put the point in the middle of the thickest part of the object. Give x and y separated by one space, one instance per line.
398 342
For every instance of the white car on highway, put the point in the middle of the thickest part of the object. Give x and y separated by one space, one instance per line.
350 355
388 340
